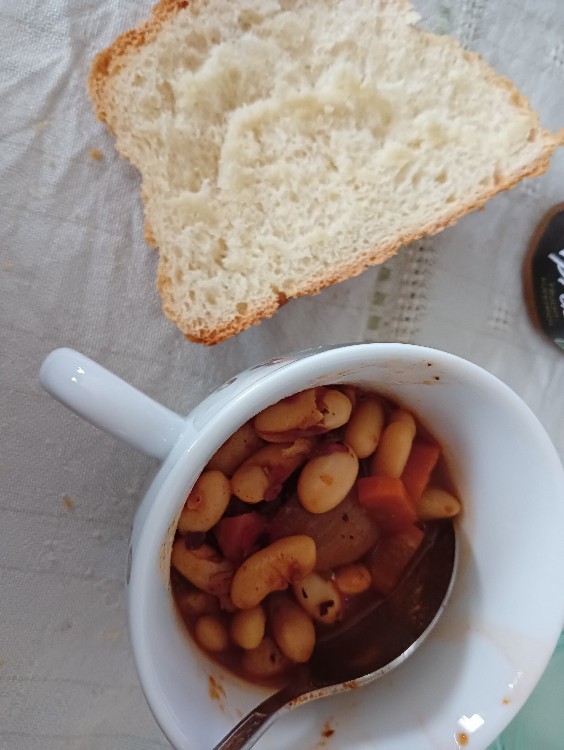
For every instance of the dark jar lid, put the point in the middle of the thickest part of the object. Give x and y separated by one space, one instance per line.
543 276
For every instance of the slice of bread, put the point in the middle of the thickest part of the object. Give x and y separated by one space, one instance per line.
285 145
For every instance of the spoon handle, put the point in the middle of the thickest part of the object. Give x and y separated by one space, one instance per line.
255 723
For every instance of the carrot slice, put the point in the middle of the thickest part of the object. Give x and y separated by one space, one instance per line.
236 535
390 558
420 464
387 502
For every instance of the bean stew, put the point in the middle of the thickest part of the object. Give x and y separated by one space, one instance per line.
306 516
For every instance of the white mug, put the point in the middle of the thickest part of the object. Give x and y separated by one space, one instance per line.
481 662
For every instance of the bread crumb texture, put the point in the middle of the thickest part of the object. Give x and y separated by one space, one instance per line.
285 145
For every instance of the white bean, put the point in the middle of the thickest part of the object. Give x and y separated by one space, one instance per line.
393 450
319 597
353 579
261 476
266 660
351 392
271 569
198 602
247 627
326 480
336 408
211 633
437 503
206 502
402 415
365 427
203 567
235 450
292 628
299 411
251 483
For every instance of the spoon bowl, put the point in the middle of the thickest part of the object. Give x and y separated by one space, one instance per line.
371 645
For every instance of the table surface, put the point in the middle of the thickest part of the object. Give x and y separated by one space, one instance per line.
74 271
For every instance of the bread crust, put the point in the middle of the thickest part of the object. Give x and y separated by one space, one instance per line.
110 61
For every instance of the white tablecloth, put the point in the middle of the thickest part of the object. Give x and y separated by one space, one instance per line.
74 271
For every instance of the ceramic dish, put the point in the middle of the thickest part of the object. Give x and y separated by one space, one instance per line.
475 671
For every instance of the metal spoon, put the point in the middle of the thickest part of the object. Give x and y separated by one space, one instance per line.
371 645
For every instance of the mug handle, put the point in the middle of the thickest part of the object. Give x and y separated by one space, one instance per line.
111 404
